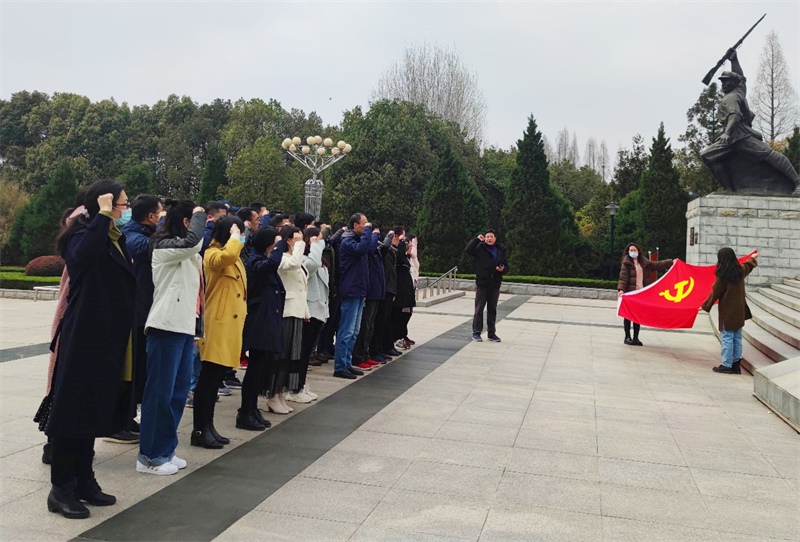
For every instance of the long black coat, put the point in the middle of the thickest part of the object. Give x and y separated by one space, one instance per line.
95 331
266 297
486 273
406 294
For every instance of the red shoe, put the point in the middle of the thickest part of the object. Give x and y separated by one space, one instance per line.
243 364
409 341
364 366
372 362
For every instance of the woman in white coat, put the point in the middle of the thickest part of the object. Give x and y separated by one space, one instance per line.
318 294
295 311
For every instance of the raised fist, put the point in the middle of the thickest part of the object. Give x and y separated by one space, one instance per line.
106 202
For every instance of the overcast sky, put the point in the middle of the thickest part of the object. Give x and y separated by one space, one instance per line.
603 69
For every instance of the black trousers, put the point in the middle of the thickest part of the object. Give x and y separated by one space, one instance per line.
485 297
255 379
328 332
311 330
383 320
636 327
205 394
72 458
399 327
139 366
361 349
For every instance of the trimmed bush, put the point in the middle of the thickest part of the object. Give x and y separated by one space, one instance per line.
45 266
547 281
13 268
20 281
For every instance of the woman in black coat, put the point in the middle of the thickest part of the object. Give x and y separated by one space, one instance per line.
94 351
263 328
406 299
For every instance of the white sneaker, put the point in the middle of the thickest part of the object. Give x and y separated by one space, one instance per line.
162 470
178 462
310 393
299 397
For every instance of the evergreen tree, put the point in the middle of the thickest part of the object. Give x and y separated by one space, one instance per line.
663 217
792 149
542 235
137 179
453 211
42 217
628 171
214 174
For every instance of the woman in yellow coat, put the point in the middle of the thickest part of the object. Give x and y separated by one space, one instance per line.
225 313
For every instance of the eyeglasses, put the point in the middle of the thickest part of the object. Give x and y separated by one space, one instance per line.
126 205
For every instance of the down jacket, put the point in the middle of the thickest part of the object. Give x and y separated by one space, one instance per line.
176 278
295 280
627 273
318 279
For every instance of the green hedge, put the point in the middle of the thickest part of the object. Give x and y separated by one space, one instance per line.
548 281
13 268
15 280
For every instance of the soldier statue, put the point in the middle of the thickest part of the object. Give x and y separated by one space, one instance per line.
740 159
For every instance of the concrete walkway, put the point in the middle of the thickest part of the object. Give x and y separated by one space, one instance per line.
560 432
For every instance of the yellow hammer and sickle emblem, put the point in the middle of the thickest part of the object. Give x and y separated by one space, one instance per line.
679 293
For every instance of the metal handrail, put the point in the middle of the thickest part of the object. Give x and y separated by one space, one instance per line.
445 283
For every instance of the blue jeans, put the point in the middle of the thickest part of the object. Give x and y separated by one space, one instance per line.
349 325
197 363
169 370
731 346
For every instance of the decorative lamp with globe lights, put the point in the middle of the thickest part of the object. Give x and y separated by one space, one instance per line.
317 155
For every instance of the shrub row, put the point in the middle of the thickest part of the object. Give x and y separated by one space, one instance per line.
19 281
45 266
547 281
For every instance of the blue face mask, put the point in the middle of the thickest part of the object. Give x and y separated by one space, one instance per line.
243 238
124 219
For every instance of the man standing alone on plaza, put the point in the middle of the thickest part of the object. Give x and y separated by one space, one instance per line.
357 243
491 263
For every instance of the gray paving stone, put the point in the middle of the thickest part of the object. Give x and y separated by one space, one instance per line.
286 528
628 530
431 477
518 488
497 402
383 444
564 397
556 423
584 413
745 486
558 464
627 415
12 489
787 467
760 520
542 439
648 475
413 511
480 433
732 442
377 534
360 468
741 461
470 454
787 447
403 425
643 504
520 523
666 453
470 414
634 431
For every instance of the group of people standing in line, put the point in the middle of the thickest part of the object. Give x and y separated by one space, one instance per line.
160 303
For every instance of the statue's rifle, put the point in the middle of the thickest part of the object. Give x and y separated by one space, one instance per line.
710 74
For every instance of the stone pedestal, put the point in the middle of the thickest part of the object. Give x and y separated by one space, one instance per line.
768 224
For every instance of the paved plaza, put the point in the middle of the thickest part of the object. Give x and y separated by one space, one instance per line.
559 433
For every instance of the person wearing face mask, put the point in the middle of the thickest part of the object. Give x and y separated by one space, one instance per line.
225 313
94 356
175 320
294 276
634 274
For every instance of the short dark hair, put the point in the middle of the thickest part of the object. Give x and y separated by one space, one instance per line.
338 225
490 230
257 206
142 205
399 230
355 219
97 189
216 206
276 220
287 232
245 213
263 239
222 228
301 220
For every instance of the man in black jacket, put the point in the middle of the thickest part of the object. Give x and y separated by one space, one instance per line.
491 263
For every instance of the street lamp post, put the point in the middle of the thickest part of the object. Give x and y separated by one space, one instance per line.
316 155
612 210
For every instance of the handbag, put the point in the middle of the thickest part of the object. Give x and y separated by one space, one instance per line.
43 414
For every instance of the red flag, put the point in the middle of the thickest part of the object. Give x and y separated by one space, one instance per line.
672 301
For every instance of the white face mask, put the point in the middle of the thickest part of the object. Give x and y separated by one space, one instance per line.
633 255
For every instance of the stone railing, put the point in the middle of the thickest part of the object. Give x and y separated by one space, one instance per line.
533 289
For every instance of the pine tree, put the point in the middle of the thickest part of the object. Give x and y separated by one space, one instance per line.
42 217
453 211
137 179
663 211
542 235
214 174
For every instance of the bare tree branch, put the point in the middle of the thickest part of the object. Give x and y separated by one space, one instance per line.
775 100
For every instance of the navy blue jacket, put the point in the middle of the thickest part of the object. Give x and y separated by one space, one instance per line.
207 236
377 276
266 297
137 241
353 262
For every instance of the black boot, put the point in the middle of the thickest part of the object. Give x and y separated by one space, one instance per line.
263 421
64 500
737 367
205 439
47 453
89 490
248 422
629 341
216 435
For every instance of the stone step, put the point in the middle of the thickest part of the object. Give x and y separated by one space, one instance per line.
441 298
787 289
770 345
774 308
791 282
752 358
782 330
778 387
786 300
